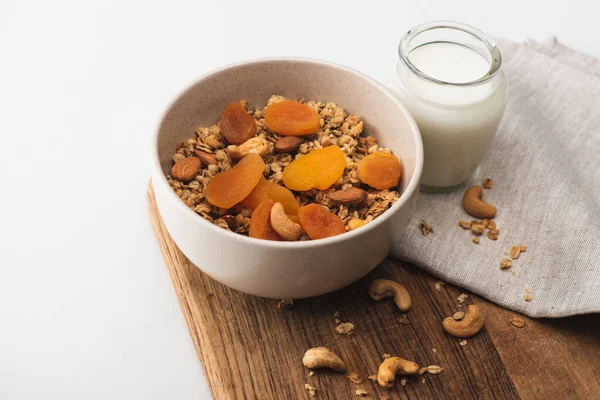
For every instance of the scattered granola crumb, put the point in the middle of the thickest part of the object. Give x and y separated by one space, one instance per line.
372 378
487 183
458 315
312 391
513 273
285 304
426 228
491 225
311 373
493 234
515 251
463 342
505 263
527 297
345 328
464 224
404 319
386 356
432 369
518 322
475 240
462 297
423 380
336 314
528 290
361 392
354 378
438 286
523 248
403 382
434 350
477 229
338 321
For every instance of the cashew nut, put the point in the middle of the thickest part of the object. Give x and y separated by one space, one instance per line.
322 357
392 366
255 145
474 205
382 288
283 225
472 323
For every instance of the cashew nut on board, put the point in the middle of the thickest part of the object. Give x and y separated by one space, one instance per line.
322 357
471 323
382 288
393 366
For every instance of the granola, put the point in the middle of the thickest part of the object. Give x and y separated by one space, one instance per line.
354 378
337 129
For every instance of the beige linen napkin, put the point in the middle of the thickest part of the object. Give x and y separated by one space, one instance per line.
545 163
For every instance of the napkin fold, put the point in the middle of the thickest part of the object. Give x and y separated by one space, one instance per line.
545 164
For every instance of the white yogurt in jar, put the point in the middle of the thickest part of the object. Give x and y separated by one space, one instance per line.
456 98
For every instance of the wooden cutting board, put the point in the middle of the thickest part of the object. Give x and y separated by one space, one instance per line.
250 349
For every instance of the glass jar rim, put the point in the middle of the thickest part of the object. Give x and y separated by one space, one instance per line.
496 57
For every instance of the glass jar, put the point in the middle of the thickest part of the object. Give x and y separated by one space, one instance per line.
448 76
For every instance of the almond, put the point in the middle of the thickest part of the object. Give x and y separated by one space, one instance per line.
186 169
206 158
288 144
348 196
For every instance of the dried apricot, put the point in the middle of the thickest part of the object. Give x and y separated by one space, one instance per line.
318 169
318 222
260 224
269 190
380 170
228 188
236 124
292 118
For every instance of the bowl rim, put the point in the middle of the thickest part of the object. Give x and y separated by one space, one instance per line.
412 187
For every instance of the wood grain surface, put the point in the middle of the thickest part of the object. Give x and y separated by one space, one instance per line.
250 349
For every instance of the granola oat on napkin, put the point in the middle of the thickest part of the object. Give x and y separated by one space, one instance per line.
545 164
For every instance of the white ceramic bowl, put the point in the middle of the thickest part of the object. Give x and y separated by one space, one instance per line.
287 269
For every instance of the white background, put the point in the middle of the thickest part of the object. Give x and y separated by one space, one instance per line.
87 309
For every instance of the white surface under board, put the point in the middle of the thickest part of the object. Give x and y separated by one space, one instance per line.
87 309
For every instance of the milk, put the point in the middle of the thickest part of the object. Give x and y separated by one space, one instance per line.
449 62
457 120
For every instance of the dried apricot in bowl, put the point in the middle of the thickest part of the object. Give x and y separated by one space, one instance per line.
318 222
236 124
268 190
380 170
228 188
260 224
292 118
318 169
